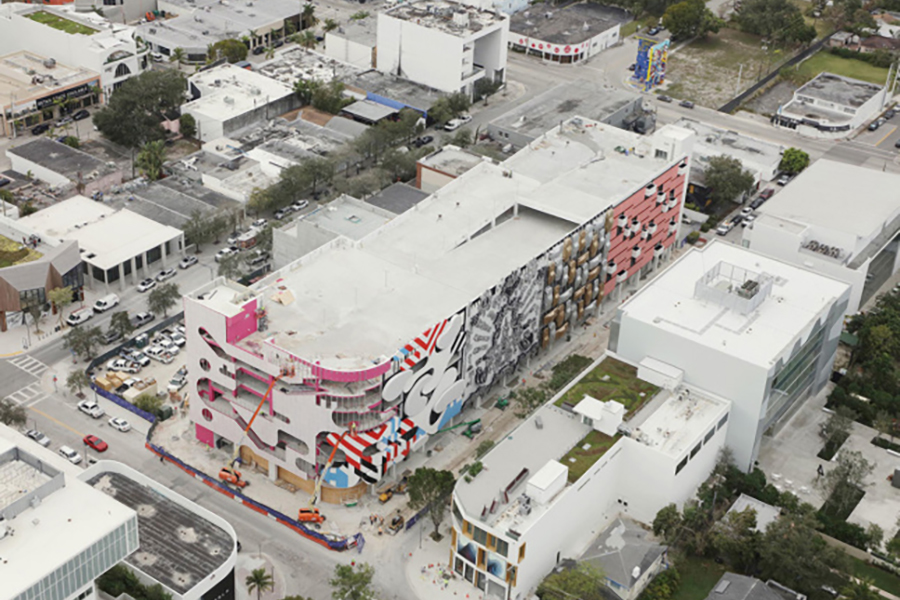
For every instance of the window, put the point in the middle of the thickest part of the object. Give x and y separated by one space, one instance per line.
709 435
662 154
456 512
681 465
695 450
722 422
502 547
480 534
521 552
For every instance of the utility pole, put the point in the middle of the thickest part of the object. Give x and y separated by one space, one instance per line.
740 72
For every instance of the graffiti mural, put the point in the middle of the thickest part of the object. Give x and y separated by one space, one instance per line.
503 326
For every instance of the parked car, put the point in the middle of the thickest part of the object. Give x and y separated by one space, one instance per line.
423 141
632 66
178 339
159 353
299 205
686 104
874 125
82 315
766 193
454 124
784 179
897 143
757 202
135 356
663 98
165 274
64 121
91 408
280 214
278 43
120 424
4 181
39 437
177 382
111 336
748 220
187 261
147 284
259 223
168 345
81 114
226 252
96 443
653 31
736 220
105 303
70 455
142 319
890 114
746 211
259 50
724 228
123 365
40 128
157 57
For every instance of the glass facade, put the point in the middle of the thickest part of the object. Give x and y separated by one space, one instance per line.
82 569
795 378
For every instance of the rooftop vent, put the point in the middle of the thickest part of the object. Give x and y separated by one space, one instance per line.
723 585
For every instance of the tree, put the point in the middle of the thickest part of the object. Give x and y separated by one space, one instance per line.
305 88
884 424
218 225
329 97
72 142
83 341
308 16
330 25
163 297
178 56
430 488
667 523
12 414
258 202
583 581
727 179
259 580
197 230
77 380
132 115
462 138
151 158
876 535
231 50
861 588
399 165
187 125
231 267
844 483
60 298
150 403
352 582
121 324
838 426
36 313
306 39
691 18
793 160
449 107
317 171
736 537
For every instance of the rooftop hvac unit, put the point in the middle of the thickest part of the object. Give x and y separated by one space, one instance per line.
229 100
50 63
539 422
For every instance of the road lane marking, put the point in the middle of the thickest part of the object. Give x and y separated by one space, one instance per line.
57 421
893 129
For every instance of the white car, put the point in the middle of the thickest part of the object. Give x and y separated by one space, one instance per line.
748 220
161 354
70 455
258 224
165 274
157 57
125 366
120 424
187 261
39 437
299 205
168 345
724 228
91 408
178 339
177 382
225 253
147 284
746 211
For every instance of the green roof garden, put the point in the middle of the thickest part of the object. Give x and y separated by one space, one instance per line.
610 380
61 23
586 452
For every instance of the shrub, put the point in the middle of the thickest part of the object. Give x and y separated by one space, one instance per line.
849 533
692 237
663 586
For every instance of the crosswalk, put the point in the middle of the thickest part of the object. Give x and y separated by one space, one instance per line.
28 395
30 365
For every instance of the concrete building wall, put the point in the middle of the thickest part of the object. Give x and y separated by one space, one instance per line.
341 48
431 180
420 54
288 245
491 52
23 165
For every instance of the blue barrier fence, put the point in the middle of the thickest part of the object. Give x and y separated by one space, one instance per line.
115 399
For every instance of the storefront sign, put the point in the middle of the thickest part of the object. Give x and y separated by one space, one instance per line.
75 92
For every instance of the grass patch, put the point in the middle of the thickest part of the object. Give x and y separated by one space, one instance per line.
14 253
632 27
698 576
823 61
583 459
832 446
882 578
611 380
883 443
57 22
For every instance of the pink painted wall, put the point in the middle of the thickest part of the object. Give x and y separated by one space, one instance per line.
242 324
205 436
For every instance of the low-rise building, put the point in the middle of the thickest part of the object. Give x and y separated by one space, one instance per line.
628 557
227 99
581 97
32 85
566 35
443 166
766 514
443 45
810 224
397 198
831 106
354 43
758 156
62 166
113 243
735 323
81 40
732 586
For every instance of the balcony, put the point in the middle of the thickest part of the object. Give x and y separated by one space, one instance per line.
364 420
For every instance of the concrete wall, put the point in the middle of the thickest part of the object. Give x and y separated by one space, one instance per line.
420 54
431 180
211 127
341 48
24 165
293 241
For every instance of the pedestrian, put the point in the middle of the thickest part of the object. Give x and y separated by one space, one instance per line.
820 471
162 459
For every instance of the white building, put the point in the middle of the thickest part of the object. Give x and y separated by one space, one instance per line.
99 45
810 224
228 98
442 44
757 331
114 243
831 106
354 43
537 503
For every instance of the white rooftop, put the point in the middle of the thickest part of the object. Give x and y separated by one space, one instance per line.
765 513
106 236
453 18
713 141
839 197
452 160
66 522
228 90
790 301
682 419
444 253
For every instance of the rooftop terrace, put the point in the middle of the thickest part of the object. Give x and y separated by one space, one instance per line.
449 17
612 379
58 22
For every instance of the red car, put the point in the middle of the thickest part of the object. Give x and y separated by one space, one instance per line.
766 194
96 443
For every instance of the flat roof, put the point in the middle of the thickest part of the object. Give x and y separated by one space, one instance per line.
713 141
62 159
172 201
106 236
348 217
66 522
456 19
581 97
839 89
359 31
178 547
397 198
295 63
819 196
571 24
227 90
445 252
404 91
699 298
452 160
26 75
369 110
679 422
765 513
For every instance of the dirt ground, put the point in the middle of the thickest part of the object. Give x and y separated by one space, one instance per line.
768 102
706 71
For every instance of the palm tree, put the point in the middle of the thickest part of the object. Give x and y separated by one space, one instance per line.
270 52
151 158
308 16
260 581
860 589
177 56
307 39
330 25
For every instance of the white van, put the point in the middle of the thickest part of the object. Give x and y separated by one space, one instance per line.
77 317
72 456
105 303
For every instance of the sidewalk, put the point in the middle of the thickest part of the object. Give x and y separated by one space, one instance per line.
428 573
249 559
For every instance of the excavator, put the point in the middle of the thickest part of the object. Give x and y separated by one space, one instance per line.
228 473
